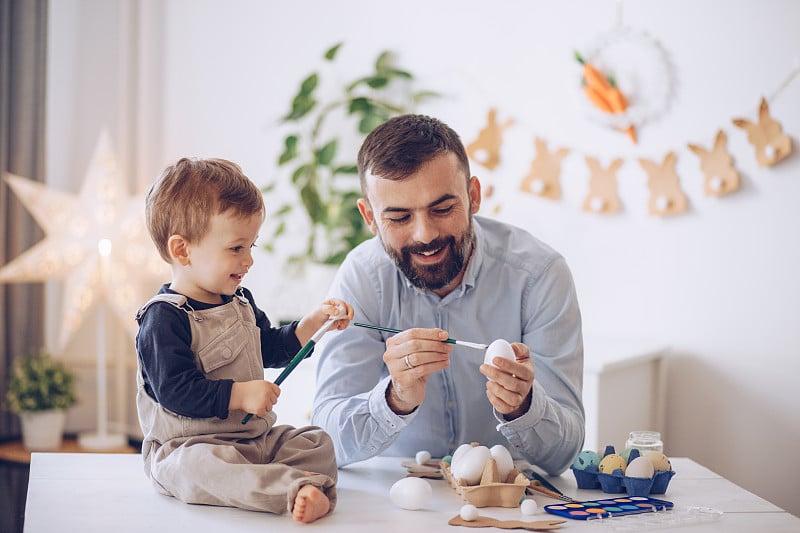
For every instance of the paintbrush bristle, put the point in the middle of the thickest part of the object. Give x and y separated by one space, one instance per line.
475 345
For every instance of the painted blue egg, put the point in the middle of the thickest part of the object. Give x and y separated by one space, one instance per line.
586 459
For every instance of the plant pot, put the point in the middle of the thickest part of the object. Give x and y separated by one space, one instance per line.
43 430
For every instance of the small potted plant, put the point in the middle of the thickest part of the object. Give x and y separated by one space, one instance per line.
40 390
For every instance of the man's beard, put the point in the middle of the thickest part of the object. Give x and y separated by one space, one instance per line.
434 277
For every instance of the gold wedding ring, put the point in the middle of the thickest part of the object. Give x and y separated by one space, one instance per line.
408 363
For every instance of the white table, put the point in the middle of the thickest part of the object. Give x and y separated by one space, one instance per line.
109 493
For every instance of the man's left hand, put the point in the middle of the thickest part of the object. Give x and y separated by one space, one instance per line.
510 382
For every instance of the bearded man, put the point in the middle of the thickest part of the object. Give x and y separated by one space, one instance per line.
437 271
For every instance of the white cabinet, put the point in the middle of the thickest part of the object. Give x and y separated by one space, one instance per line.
623 390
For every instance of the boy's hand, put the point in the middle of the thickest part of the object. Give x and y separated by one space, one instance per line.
257 396
334 308
331 308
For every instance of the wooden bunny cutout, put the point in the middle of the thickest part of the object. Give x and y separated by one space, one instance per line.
543 178
717 164
666 196
770 142
602 197
485 150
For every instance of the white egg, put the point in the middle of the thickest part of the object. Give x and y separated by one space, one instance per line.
528 506
411 493
499 348
460 451
641 467
423 457
468 512
470 465
505 463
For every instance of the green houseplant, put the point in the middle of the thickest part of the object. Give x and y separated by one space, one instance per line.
40 390
320 151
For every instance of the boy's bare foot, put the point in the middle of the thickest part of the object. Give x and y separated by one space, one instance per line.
310 504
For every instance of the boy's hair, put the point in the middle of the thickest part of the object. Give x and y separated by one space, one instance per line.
401 145
189 192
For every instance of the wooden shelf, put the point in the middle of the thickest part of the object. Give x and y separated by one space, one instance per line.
14 451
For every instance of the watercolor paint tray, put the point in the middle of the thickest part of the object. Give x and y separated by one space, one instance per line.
608 507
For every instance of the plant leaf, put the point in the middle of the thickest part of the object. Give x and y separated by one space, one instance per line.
313 204
346 169
302 174
400 74
376 82
325 154
289 151
309 84
359 105
301 105
330 54
384 61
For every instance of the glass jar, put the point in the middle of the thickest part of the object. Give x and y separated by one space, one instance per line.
645 441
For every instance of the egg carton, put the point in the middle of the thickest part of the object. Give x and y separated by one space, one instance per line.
617 482
491 491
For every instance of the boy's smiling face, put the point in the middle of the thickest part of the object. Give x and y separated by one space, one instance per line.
216 265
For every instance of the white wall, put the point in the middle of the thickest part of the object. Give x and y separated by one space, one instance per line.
719 284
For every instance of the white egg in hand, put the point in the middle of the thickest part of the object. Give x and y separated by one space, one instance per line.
499 348
411 493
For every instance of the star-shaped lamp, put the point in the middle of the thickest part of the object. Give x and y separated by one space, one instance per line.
74 225
97 242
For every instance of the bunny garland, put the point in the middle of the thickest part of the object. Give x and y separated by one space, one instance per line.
543 178
666 196
602 197
717 165
721 177
767 136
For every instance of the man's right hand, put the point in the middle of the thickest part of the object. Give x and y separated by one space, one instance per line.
411 356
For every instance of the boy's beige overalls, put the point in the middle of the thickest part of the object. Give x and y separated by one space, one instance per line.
256 466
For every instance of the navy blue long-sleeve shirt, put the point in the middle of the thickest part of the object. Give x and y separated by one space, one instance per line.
170 374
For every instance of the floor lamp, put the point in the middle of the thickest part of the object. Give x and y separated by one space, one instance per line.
102 439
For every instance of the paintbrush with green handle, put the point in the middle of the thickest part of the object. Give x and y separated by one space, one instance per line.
302 354
475 345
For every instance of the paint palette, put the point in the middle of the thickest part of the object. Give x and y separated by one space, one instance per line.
608 507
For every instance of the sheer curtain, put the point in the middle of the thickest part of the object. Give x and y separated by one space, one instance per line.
23 47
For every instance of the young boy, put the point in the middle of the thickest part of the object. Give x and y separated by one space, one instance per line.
202 348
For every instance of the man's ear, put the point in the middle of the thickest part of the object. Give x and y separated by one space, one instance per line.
367 214
178 248
474 190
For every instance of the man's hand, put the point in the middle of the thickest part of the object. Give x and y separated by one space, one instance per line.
411 356
510 382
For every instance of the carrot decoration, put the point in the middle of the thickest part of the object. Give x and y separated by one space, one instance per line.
604 94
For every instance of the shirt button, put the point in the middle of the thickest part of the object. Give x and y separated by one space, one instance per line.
226 353
449 404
